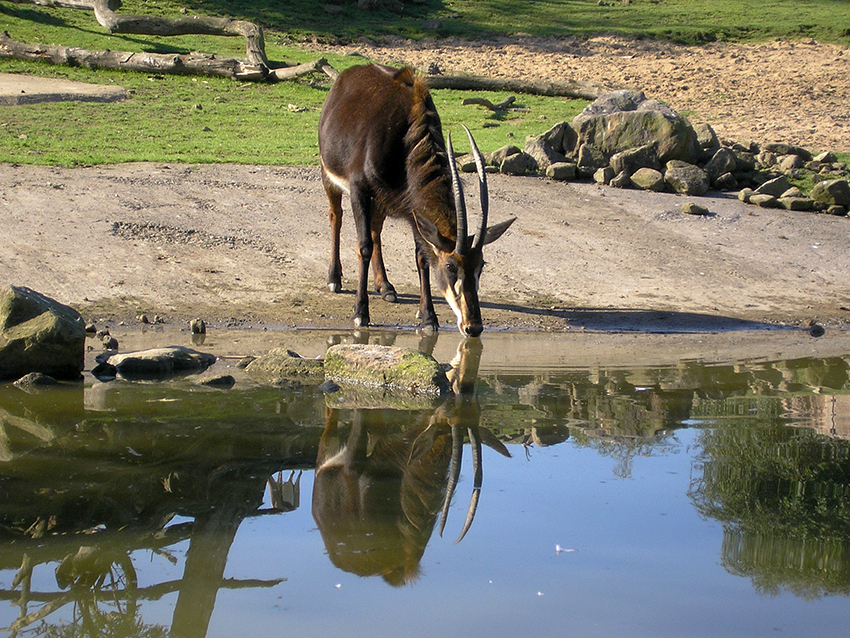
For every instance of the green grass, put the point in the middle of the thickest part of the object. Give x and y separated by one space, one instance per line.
192 119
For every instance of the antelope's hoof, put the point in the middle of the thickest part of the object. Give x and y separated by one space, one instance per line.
390 297
334 287
361 322
430 329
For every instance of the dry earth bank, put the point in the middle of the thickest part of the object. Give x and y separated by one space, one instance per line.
796 92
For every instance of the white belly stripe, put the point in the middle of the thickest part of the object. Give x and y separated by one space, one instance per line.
339 182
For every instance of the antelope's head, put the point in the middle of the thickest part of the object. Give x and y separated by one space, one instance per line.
456 265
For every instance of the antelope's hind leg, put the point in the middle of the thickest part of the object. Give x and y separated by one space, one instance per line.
382 285
335 219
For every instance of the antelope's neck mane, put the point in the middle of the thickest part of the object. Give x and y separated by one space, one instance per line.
429 191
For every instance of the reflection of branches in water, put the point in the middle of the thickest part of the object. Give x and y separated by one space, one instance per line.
625 450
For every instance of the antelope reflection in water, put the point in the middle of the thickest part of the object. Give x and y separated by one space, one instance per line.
378 492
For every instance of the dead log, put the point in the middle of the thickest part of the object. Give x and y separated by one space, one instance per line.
572 88
104 12
501 106
188 64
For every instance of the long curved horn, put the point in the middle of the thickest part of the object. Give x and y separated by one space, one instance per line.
478 473
454 473
482 187
460 204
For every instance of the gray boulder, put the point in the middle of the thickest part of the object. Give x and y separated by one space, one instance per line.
776 186
39 334
589 159
706 137
561 137
499 155
621 180
562 171
518 164
157 363
542 153
685 178
633 159
723 161
612 102
623 120
781 148
604 175
834 192
649 179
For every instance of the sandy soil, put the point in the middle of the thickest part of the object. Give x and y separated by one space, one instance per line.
797 92
248 246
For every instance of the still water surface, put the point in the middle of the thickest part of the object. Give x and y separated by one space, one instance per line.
679 500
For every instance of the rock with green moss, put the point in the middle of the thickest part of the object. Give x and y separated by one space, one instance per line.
280 365
388 367
39 334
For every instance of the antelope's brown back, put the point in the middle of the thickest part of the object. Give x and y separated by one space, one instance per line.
363 123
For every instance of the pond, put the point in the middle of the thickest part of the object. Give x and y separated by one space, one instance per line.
552 495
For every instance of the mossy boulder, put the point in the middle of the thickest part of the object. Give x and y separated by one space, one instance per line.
39 334
388 367
280 365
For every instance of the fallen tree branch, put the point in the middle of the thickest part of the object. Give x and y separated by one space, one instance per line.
501 106
573 88
189 64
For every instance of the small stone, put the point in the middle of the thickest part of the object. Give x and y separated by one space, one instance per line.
726 182
110 343
774 187
685 178
793 192
690 208
562 171
788 149
766 159
198 326
790 162
244 362
763 200
35 380
833 192
745 194
649 179
220 381
795 203
604 175
621 180
816 330
838 211
825 158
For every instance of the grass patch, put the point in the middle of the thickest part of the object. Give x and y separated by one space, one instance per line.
202 120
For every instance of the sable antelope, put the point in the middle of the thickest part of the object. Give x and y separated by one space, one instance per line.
381 142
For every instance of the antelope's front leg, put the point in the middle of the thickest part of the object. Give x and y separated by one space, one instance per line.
360 204
426 315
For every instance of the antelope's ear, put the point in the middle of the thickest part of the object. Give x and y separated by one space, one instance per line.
494 232
429 233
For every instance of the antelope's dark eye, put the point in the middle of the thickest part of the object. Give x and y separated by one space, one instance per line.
451 269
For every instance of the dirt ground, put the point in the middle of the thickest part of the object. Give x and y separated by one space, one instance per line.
248 246
796 92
